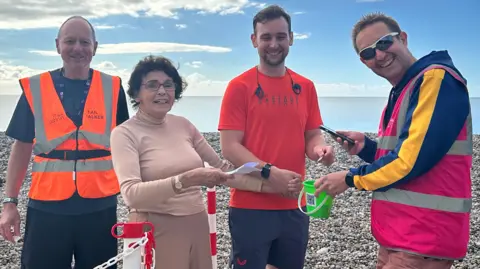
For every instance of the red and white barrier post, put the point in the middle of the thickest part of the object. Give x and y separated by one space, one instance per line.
212 222
138 246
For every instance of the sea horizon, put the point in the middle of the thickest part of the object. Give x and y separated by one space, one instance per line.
359 113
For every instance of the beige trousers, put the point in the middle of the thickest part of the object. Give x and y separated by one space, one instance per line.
389 259
182 242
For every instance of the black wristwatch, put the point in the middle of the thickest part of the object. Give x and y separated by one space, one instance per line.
349 179
265 173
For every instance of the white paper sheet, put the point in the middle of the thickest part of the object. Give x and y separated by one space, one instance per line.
245 169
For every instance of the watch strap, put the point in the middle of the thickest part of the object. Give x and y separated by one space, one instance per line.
12 200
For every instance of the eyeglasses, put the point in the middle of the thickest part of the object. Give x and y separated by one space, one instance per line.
383 44
154 85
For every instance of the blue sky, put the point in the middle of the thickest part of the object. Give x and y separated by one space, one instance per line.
218 33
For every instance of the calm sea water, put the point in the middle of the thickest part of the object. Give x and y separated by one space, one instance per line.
352 113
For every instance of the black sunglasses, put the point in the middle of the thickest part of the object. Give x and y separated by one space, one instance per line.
382 44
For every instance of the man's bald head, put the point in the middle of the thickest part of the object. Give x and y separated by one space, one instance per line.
74 18
76 45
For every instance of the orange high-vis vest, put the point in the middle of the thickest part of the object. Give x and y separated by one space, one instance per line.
67 157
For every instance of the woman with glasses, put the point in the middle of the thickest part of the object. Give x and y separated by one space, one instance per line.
159 160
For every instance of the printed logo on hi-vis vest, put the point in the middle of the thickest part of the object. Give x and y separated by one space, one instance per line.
56 117
94 115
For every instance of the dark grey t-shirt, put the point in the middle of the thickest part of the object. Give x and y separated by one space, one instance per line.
73 94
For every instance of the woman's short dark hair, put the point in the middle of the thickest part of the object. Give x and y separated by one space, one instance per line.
149 64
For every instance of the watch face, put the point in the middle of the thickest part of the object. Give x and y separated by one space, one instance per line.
265 173
178 184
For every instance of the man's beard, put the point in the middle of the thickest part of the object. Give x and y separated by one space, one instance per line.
276 62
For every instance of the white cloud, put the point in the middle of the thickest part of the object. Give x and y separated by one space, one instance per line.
237 9
112 69
199 85
194 64
257 5
9 75
145 47
27 14
110 27
181 26
299 12
105 65
301 35
104 27
9 71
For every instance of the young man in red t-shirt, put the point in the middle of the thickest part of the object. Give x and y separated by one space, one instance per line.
270 115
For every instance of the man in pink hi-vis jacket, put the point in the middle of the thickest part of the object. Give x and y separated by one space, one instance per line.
419 169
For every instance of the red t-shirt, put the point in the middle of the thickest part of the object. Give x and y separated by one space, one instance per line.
274 127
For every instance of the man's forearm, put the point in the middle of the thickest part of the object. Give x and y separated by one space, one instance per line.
17 167
238 155
313 138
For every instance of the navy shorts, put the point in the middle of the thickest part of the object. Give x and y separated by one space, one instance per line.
51 240
261 237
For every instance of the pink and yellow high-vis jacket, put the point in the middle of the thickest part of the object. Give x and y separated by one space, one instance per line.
420 170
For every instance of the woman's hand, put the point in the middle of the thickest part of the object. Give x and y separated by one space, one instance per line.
202 176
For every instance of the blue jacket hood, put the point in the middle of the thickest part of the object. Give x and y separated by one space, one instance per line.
434 57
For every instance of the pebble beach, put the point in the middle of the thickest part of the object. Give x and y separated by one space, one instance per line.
341 242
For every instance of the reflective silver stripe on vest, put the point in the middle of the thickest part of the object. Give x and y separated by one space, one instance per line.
43 145
421 200
459 147
68 166
430 201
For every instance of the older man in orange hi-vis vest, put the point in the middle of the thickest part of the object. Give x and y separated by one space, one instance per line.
65 117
